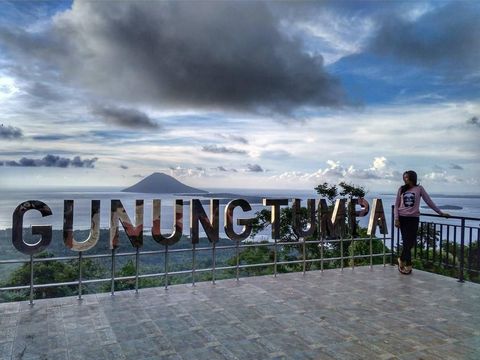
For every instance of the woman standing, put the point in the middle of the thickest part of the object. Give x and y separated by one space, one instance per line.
407 216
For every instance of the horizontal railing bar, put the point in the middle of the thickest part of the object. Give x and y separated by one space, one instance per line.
246 266
451 217
289 262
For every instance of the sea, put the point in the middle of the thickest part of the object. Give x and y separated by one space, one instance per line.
465 205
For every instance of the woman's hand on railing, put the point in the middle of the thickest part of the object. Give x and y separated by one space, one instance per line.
444 214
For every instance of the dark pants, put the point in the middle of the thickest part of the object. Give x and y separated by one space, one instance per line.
408 228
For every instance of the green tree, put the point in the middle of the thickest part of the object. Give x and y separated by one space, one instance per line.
48 272
312 251
129 269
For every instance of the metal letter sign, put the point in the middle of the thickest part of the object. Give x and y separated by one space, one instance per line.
134 233
197 213
377 217
247 223
94 235
275 221
17 228
330 224
296 217
177 227
334 224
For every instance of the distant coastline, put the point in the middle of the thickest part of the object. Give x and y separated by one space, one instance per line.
446 196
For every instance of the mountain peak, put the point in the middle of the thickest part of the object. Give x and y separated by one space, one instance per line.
160 183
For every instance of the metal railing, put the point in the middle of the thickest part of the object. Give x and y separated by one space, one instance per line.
274 245
453 244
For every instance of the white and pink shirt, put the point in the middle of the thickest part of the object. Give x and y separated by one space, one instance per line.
408 203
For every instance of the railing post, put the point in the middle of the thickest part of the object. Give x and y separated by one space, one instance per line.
80 275
112 290
341 253
193 264
462 251
275 257
371 251
321 253
304 256
352 247
165 263
137 260
213 261
237 251
392 231
31 279
384 254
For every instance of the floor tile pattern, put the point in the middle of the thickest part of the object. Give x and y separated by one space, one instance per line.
364 313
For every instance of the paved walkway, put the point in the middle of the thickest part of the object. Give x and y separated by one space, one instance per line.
361 314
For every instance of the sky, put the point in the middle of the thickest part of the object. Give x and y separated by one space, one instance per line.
240 94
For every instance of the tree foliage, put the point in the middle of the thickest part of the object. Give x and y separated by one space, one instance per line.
294 251
48 272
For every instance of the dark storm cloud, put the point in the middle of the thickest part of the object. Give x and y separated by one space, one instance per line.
10 132
44 92
234 138
455 167
53 161
129 118
52 137
215 55
447 37
224 169
473 121
254 168
221 150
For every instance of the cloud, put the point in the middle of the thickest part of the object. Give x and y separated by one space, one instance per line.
52 137
181 172
234 138
473 121
124 167
336 171
275 154
224 169
40 93
254 168
10 132
441 176
446 37
53 161
379 163
221 150
129 118
227 55
455 167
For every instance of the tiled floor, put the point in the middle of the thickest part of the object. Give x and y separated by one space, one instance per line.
351 314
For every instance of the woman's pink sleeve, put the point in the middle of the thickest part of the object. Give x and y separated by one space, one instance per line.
429 201
397 204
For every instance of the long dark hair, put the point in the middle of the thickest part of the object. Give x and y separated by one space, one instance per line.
412 176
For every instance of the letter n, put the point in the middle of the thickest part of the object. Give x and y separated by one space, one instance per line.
134 233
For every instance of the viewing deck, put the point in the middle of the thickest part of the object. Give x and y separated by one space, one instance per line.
364 313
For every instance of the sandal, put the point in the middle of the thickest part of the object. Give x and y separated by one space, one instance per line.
401 266
405 270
